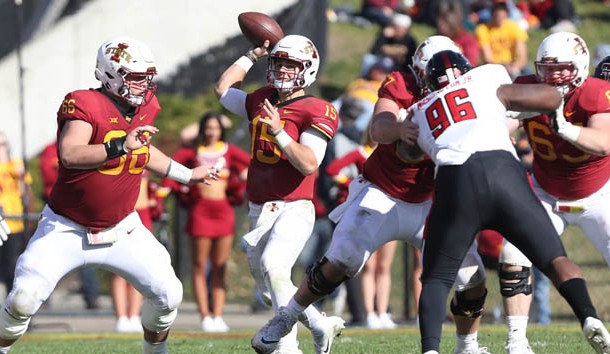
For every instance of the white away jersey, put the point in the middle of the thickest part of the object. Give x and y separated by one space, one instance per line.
464 117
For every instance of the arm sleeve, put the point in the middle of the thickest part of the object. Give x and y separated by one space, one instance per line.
316 141
235 101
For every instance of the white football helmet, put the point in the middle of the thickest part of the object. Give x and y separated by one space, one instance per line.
119 57
563 61
298 49
426 49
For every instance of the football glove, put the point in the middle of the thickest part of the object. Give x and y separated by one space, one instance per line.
4 230
562 127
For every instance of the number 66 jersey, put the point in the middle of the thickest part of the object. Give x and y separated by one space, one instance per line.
100 197
464 117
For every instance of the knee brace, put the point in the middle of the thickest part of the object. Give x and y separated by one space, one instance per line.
460 306
515 282
317 282
16 314
158 313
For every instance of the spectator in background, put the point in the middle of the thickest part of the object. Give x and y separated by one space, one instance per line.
49 169
364 89
502 41
14 188
211 219
380 11
554 15
396 42
450 23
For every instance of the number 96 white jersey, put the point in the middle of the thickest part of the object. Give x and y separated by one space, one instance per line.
464 117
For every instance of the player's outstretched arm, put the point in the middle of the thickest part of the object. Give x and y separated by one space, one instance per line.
163 165
529 97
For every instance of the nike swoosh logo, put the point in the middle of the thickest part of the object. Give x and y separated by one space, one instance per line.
287 111
569 114
268 341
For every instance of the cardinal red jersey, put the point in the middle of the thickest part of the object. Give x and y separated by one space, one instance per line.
271 176
562 169
99 198
411 181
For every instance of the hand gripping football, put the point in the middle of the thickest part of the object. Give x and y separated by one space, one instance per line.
258 27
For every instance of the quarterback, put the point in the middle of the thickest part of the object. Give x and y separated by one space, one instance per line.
289 131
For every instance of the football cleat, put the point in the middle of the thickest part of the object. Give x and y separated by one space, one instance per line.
597 335
325 331
481 350
266 340
518 347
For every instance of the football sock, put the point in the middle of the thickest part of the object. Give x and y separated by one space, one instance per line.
466 342
4 350
517 327
576 294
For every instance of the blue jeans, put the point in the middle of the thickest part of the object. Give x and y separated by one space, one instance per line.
542 288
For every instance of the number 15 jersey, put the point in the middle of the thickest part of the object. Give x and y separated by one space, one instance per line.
270 175
464 117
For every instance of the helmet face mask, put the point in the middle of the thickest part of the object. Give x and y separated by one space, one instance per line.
562 61
126 69
444 68
293 64
425 51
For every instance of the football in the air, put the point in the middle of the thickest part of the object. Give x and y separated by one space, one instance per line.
258 27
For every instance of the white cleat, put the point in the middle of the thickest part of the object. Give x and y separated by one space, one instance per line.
481 350
287 351
597 335
518 347
325 331
266 340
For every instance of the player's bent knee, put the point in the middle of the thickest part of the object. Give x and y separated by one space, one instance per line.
515 282
17 312
317 283
159 312
471 308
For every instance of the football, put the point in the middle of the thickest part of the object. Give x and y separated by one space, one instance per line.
258 27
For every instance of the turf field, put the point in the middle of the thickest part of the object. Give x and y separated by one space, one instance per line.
559 338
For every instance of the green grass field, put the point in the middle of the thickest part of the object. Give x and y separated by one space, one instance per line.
553 339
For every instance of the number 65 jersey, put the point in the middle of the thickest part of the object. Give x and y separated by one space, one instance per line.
101 197
464 117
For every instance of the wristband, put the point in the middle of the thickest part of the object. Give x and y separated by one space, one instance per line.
250 55
115 148
179 172
283 139
244 63
569 132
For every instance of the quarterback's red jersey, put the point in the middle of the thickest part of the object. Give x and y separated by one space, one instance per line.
99 198
562 169
271 176
411 181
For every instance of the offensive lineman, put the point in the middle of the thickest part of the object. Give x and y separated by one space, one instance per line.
103 146
571 167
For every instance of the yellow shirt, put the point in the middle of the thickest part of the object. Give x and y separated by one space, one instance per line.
502 40
364 89
10 193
